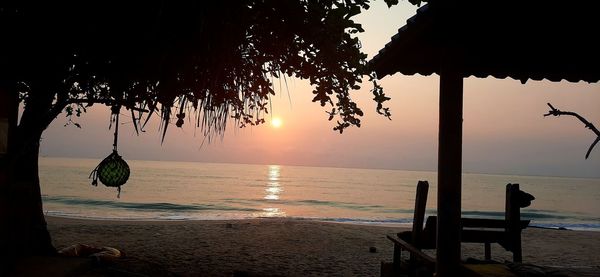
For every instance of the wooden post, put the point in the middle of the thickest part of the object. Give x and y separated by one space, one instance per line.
419 213
513 221
487 251
449 171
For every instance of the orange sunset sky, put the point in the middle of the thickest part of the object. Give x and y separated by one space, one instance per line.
504 128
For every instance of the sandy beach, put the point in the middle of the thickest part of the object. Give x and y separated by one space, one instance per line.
284 247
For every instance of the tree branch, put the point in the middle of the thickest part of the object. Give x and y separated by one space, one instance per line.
108 102
556 112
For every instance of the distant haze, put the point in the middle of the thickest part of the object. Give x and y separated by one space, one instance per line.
504 128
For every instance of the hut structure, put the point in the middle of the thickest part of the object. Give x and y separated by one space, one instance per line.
553 40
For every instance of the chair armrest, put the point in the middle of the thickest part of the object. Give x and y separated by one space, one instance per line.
413 250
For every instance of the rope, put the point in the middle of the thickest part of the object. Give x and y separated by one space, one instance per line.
113 171
116 110
116 132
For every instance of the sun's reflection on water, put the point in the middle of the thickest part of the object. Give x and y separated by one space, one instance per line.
272 212
273 191
273 187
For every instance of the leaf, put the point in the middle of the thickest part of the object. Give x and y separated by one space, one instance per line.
415 2
391 3
354 10
69 110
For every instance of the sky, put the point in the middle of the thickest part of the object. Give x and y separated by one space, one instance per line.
504 130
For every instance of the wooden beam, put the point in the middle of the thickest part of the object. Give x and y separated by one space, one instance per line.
449 171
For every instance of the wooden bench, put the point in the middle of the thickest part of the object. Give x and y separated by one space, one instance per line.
506 232
486 231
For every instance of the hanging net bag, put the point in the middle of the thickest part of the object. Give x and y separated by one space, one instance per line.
113 171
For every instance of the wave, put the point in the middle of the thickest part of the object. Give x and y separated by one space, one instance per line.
314 202
151 207
569 226
401 222
235 208
544 215
408 222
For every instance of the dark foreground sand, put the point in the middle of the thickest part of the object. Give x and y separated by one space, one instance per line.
293 247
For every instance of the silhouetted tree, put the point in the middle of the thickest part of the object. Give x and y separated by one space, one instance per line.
209 61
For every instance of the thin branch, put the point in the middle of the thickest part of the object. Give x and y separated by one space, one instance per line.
63 102
109 102
556 112
592 147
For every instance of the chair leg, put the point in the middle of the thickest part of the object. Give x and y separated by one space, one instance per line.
397 260
488 251
517 254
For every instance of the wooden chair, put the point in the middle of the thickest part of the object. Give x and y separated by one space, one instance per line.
505 232
413 241
419 237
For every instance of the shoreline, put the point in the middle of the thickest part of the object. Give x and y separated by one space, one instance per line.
288 247
341 221
351 222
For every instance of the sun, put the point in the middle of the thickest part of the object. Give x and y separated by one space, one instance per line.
276 122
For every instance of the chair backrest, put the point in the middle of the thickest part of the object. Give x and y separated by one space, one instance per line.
419 213
512 213
515 199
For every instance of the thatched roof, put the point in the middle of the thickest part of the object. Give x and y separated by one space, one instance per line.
552 40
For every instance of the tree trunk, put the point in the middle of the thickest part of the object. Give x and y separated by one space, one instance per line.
28 234
23 226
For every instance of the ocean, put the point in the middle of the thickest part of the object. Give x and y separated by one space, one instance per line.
166 190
